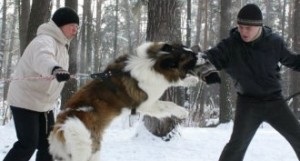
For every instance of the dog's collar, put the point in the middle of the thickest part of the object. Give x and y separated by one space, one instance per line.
102 76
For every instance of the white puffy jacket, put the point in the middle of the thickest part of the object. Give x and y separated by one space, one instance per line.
45 51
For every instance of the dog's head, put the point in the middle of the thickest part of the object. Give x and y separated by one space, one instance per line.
174 61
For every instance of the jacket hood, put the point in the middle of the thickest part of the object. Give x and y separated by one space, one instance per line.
51 29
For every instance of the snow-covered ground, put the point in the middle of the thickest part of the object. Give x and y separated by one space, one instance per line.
123 143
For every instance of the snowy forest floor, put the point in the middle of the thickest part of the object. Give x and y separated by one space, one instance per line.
123 143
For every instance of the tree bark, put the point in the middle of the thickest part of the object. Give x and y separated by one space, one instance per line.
198 23
163 25
89 33
98 37
116 29
128 26
164 21
39 14
225 106
205 43
188 23
11 51
3 37
295 76
24 13
71 85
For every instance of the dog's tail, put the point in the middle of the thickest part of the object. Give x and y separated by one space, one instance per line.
75 144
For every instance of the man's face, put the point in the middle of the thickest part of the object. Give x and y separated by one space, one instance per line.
70 30
249 33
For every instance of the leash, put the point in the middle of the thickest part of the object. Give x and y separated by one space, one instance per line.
292 96
101 76
27 78
47 78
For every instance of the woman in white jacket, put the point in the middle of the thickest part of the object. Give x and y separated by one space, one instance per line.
32 101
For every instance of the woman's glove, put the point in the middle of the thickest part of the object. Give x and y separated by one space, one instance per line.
60 74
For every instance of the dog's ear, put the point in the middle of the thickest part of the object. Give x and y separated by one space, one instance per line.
166 48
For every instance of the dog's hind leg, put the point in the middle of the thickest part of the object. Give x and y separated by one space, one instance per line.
78 142
95 156
57 147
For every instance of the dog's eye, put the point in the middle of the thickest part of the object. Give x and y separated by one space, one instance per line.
168 63
184 56
167 48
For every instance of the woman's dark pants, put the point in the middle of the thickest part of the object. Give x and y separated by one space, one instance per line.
32 129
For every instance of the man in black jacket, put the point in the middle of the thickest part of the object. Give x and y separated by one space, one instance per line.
250 55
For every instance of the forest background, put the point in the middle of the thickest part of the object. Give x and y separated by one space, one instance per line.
110 28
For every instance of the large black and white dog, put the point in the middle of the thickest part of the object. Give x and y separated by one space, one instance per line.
131 81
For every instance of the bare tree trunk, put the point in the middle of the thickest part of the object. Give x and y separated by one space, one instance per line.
39 14
213 34
11 51
98 37
271 17
116 29
128 25
267 18
188 23
89 34
137 13
83 46
296 45
71 85
3 37
164 21
283 19
290 21
24 13
57 4
198 23
163 25
7 63
225 106
74 43
205 43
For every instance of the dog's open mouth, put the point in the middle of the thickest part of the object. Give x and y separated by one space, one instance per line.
180 59
191 64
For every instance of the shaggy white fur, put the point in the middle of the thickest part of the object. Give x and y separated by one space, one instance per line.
154 84
77 146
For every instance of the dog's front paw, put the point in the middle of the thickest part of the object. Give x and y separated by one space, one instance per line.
190 81
174 109
161 109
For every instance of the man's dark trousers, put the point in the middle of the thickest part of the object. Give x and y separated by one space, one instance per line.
250 113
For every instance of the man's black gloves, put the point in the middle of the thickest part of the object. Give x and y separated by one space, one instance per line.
60 74
207 73
205 70
211 77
